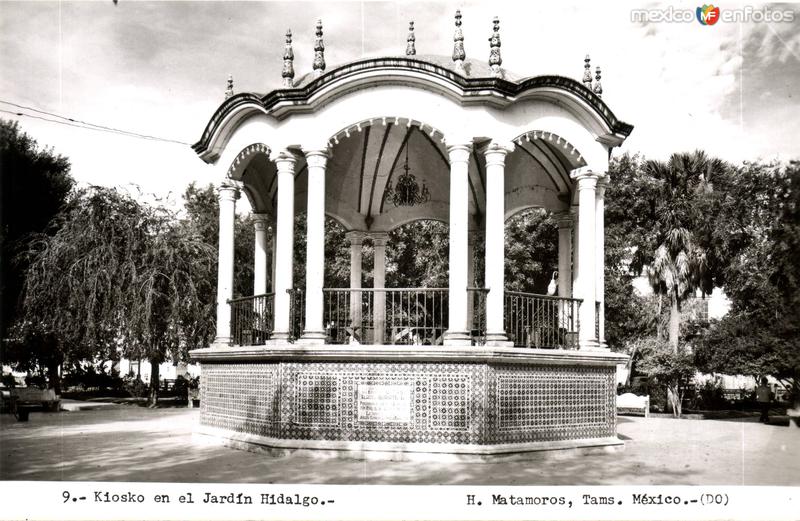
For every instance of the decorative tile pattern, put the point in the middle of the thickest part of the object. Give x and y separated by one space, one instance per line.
241 397
409 402
548 403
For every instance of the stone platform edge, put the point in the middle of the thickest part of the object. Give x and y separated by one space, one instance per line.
366 450
362 352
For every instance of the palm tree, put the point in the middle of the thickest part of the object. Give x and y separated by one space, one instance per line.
679 264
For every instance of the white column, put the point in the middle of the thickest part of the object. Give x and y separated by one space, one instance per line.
458 331
356 239
600 266
564 254
260 223
495 154
495 242
587 277
227 194
284 244
575 237
315 246
379 278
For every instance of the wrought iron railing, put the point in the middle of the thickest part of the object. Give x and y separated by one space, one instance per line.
252 319
541 321
385 315
297 313
597 320
476 302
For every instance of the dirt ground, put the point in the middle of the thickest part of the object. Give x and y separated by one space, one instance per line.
129 443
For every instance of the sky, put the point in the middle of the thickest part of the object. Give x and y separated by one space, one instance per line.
160 68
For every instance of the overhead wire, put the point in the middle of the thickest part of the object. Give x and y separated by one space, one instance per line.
78 123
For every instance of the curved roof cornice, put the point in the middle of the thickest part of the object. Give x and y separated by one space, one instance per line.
499 92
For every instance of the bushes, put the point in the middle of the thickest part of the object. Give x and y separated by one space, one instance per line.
134 386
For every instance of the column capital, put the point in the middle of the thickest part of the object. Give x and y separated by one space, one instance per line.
355 237
495 152
283 157
228 190
260 221
503 147
458 151
602 184
316 157
585 177
565 219
379 238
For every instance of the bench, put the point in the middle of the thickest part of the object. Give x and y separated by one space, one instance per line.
21 400
629 403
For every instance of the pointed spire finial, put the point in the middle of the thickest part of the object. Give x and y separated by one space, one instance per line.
598 89
494 52
410 49
587 73
229 90
458 46
288 62
319 52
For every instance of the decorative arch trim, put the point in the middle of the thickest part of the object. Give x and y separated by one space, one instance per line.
387 71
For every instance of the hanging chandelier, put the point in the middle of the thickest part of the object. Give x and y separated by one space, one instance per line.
407 192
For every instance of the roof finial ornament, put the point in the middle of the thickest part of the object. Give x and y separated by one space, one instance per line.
598 89
458 47
229 90
288 62
587 73
494 53
410 49
319 52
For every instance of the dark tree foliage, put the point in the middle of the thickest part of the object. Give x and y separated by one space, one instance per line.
627 313
759 234
417 255
115 277
34 184
531 251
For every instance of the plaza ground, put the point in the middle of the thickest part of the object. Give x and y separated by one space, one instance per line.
131 443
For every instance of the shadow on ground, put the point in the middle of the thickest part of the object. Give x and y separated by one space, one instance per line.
134 444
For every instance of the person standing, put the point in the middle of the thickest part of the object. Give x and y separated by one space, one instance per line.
764 397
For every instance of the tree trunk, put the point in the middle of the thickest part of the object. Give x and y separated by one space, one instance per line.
674 322
152 400
53 376
674 399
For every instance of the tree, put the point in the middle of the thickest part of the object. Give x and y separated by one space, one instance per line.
671 368
34 184
630 315
117 273
759 230
674 254
531 251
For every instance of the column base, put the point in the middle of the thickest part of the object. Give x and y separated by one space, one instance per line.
312 337
498 340
222 341
589 345
457 338
280 336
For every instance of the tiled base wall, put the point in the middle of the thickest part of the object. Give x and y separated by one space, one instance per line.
463 403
